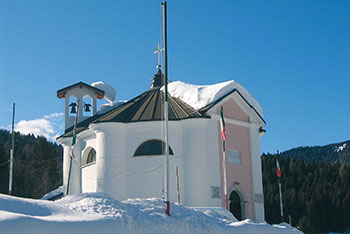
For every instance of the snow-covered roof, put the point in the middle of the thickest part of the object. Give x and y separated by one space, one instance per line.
109 91
190 103
199 96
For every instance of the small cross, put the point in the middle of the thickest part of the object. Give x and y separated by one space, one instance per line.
158 51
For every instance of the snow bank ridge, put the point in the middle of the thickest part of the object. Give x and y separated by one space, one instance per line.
98 213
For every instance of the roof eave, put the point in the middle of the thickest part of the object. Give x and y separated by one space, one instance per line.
62 92
205 109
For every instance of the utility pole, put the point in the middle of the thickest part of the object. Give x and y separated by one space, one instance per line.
12 149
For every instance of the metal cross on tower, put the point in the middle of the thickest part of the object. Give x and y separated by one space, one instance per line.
158 51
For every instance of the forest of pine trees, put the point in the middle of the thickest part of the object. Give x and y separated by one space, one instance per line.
37 165
315 194
315 180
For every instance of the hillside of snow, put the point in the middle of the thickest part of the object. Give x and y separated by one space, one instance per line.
97 213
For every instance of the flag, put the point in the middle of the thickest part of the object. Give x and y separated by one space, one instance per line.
278 169
74 140
223 130
71 153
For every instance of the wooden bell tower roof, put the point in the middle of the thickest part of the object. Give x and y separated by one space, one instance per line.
62 92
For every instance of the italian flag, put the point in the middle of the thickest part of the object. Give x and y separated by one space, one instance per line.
278 169
74 140
223 130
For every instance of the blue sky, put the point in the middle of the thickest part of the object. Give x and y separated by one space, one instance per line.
292 56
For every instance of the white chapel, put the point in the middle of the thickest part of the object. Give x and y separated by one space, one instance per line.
120 150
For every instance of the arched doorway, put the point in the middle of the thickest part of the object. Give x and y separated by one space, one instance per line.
235 205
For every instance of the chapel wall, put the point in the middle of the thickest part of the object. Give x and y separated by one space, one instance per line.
239 174
145 173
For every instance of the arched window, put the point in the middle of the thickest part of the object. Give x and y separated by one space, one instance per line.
73 106
152 147
87 106
91 156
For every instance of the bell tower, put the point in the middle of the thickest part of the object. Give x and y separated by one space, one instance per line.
79 98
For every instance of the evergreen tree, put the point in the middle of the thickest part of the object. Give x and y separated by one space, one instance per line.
37 165
316 194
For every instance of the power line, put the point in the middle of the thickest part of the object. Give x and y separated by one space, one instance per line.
134 173
4 163
39 161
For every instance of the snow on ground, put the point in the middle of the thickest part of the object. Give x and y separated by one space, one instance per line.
199 96
54 193
97 213
341 148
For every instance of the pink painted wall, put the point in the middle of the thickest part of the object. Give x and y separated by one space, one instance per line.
233 111
237 139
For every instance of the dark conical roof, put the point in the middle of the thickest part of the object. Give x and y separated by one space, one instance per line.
146 107
149 107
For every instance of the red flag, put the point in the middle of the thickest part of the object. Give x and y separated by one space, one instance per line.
278 169
71 154
223 130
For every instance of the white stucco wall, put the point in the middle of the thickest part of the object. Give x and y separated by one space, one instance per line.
110 159
66 162
123 176
197 188
89 178
75 175
213 162
259 211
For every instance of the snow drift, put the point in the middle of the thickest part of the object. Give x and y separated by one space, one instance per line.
98 213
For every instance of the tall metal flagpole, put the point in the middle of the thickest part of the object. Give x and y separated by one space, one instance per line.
223 136
159 51
225 182
166 189
278 173
281 203
12 149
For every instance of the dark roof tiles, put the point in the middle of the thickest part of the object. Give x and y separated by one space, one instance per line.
146 107
149 107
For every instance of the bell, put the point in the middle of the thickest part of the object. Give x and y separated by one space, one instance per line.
87 107
74 108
